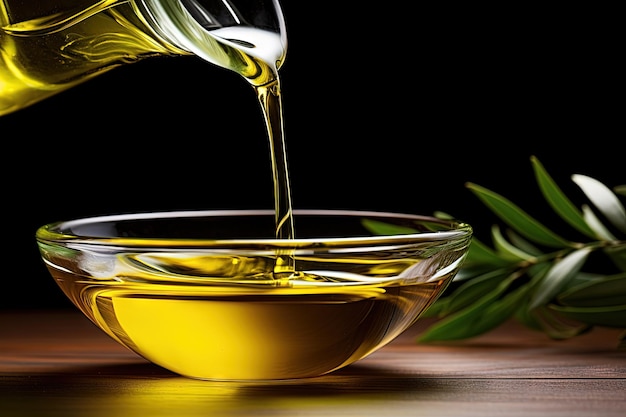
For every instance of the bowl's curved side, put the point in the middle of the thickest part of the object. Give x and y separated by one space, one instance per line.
217 309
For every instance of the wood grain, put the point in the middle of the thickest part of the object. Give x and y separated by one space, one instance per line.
57 363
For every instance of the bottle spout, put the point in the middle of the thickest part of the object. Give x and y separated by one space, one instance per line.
244 36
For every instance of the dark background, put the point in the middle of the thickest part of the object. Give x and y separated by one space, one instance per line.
384 110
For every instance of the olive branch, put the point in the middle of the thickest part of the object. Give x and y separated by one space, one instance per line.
533 275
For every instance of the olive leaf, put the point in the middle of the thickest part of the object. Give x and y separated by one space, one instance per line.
481 254
533 275
555 325
609 316
468 322
558 201
507 250
600 291
522 243
517 218
473 289
557 277
594 222
382 228
606 201
617 254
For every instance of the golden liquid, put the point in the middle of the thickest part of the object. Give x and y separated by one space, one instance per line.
270 99
47 47
40 56
249 328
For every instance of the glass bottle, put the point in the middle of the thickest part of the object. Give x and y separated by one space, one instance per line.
48 46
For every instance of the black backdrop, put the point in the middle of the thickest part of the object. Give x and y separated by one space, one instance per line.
384 110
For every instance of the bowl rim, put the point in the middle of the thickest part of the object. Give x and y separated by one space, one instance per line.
453 230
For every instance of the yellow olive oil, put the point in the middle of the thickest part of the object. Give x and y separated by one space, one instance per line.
246 328
47 47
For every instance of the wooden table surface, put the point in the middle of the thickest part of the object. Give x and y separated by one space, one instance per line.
57 363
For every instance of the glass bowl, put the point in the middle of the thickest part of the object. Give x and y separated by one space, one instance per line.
206 294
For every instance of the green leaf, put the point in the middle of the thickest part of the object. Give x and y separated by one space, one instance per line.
600 292
592 220
517 219
524 314
557 277
617 254
470 272
505 249
557 326
558 201
443 215
610 316
435 309
481 254
480 259
386 229
467 322
472 290
604 200
491 316
583 278
556 296
503 309
522 243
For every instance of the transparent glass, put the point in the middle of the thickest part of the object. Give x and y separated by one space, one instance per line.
198 293
48 46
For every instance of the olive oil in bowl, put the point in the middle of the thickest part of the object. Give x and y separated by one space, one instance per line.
173 288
